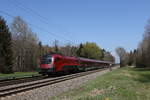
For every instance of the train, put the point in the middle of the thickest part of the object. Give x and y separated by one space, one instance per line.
57 63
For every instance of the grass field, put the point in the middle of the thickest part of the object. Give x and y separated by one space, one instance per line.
121 84
17 74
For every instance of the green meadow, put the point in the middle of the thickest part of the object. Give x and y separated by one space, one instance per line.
121 84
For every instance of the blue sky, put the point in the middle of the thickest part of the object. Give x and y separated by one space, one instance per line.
109 23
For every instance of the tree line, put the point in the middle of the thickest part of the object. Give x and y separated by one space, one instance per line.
139 57
86 50
21 50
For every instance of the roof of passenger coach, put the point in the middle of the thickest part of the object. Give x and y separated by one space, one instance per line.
78 58
92 60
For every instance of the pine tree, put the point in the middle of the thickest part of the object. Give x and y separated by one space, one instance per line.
6 54
79 50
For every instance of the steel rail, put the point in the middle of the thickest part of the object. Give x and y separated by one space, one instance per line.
20 80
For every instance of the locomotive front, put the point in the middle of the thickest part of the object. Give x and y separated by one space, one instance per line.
47 65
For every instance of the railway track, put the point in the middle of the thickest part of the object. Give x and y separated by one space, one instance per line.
14 89
20 80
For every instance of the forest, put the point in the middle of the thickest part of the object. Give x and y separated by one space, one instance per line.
21 50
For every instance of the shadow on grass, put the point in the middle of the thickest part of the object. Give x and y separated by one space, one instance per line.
145 78
143 74
140 69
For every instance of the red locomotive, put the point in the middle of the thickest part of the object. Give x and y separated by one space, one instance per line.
56 63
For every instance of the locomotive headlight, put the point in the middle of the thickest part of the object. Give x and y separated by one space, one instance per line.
52 65
52 60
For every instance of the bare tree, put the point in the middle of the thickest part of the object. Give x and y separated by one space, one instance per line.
143 50
107 56
25 45
68 50
56 46
122 55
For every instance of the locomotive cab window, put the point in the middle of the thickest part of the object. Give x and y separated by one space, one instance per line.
47 60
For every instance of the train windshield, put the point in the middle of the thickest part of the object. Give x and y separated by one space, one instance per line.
46 60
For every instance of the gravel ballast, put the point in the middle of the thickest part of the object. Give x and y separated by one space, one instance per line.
46 92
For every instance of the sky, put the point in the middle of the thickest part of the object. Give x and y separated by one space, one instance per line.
109 23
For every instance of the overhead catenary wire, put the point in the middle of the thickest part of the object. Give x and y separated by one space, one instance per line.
37 27
29 10
42 18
